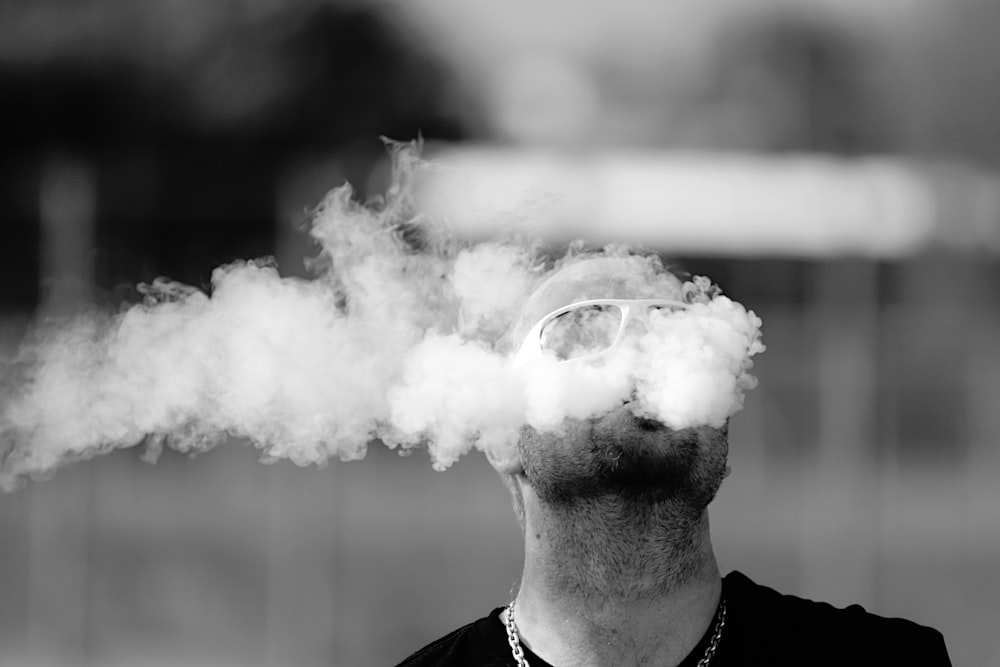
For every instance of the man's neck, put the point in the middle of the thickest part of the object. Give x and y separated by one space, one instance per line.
612 582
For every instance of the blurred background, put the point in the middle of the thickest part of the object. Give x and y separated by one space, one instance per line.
832 164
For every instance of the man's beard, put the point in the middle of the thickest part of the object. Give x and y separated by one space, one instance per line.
623 503
624 456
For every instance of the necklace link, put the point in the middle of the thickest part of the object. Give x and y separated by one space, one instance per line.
518 652
512 638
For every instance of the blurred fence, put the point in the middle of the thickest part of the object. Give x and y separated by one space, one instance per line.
865 470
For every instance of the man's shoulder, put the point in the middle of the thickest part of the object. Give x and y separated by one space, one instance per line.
790 621
471 644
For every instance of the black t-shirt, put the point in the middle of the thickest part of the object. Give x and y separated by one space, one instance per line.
763 628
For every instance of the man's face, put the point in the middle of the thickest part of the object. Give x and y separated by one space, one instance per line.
617 453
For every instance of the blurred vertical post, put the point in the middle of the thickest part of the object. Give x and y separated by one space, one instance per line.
67 214
983 382
300 608
839 538
61 515
982 469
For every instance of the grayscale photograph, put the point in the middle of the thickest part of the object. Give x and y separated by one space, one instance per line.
461 333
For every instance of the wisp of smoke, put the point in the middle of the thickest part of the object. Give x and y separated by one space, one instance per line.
396 339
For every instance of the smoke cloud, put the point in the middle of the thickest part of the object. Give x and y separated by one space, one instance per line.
398 338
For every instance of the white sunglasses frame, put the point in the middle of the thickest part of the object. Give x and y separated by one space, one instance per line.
531 347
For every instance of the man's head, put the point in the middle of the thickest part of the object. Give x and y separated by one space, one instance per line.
596 277
619 453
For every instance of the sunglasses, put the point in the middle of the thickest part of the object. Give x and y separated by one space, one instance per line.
587 328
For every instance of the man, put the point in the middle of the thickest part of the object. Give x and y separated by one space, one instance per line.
619 567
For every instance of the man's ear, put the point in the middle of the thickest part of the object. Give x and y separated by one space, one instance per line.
505 459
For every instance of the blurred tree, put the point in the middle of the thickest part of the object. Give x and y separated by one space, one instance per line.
952 99
187 151
794 81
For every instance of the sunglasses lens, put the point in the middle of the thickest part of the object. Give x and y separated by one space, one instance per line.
582 331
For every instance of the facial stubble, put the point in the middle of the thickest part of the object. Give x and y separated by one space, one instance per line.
625 456
622 503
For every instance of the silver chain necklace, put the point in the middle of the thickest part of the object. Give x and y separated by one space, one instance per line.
518 651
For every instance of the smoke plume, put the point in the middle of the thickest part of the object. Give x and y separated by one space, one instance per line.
398 338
